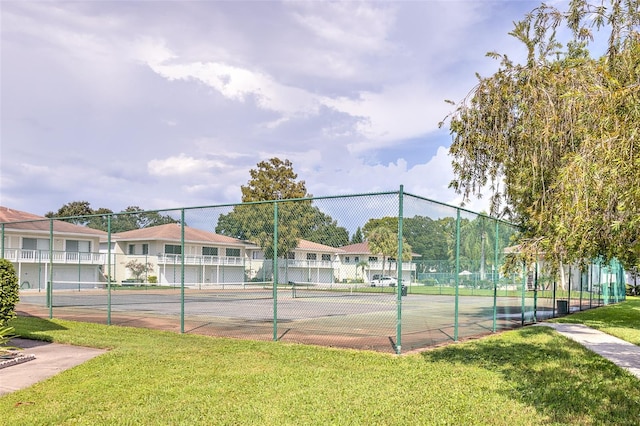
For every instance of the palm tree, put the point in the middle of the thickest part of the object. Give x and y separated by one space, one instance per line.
361 265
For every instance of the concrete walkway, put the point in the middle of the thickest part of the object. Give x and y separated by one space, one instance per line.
622 353
50 359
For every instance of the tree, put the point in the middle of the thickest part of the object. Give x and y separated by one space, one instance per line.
273 180
556 138
138 268
357 236
323 229
276 180
362 265
426 237
133 217
9 292
73 211
383 240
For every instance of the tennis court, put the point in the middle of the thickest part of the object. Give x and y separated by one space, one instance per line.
361 318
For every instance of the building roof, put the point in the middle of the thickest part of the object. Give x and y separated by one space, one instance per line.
23 221
358 248
173 232
311 246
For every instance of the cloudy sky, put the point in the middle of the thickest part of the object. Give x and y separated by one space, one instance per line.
165 104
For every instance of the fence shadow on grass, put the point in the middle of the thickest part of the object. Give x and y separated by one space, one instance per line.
556 376
30 327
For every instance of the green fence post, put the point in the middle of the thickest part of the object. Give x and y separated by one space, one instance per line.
495 277
535 291
524 289
553 299
581 288
590 284
569 293
182 271
109 270
399 263
50 286
275 271
457 279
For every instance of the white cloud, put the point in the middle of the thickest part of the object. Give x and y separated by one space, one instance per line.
163 105
182 165
234 83
396 113
354 26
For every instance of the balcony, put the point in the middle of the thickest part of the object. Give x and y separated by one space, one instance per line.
176 259
295 263
57 257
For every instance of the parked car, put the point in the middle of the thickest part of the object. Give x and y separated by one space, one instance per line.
383 280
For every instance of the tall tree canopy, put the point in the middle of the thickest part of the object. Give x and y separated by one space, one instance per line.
273 180
133 217
556 138
276 180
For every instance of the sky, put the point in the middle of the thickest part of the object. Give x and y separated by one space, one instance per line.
164 104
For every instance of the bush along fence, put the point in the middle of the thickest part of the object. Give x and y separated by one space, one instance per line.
385 271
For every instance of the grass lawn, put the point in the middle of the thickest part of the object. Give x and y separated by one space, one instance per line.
529 376
621 320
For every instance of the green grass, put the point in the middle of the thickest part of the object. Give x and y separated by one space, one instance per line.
621 320
529 376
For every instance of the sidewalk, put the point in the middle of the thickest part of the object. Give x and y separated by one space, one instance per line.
50 359
622 353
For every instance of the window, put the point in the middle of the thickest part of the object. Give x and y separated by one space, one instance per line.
346 259
209 251
35 243
232 252
145 249
356 259
132 249
311 256
326 257
291 255
373 258
172 249
78 246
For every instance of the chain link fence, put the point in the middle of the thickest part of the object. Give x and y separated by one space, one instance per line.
390 272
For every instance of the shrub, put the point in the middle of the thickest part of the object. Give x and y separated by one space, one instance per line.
9 290
152 279
138 269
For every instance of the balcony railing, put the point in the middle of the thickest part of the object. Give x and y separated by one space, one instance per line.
176 259
295 263
45 256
